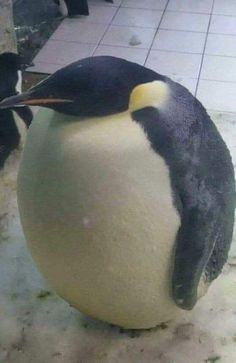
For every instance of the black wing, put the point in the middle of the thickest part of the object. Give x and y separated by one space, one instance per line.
202 178
25 113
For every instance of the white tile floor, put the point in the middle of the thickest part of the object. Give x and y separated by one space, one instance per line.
192 41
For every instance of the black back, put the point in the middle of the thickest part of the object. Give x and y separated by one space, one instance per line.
10 64
203 185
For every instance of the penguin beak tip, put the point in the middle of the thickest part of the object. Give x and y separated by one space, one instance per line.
13 101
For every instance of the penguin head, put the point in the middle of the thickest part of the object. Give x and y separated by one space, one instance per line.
11 65
95 86
11 61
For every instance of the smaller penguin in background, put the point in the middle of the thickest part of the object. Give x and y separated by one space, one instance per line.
11 65
73 8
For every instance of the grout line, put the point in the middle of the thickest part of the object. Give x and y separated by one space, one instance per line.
123 46
120 26
158 27
176 51
72 41
182 30
226 34
177 11
140 8
187 12
195 31
223 111
218 80
98 43
220 55
227 15
106 30
143 48
199 13
232 34
204 48
148 27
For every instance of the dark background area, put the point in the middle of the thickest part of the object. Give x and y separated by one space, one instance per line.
35 21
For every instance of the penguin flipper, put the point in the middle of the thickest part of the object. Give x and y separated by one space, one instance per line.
204 197
25 114
197 208
195 242
202 247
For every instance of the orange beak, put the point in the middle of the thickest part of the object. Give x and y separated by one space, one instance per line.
28 98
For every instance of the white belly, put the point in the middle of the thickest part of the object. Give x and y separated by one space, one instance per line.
97 211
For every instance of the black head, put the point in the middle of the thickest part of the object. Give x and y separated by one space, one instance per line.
11 65
11 61
96 86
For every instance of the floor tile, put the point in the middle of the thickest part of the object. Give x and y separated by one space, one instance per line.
179 41
195 6
60 52
223 24
41 67
189 83
224 7
133 55
74 30
145 4
219 68
219 44
99 14
185 21
174 64
126 36
104 3
218 96
138 17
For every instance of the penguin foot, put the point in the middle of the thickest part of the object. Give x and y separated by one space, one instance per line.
75 16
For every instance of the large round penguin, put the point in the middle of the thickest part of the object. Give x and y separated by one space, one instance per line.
126 192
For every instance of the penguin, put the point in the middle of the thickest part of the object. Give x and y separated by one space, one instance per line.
73 8
126 191
11 78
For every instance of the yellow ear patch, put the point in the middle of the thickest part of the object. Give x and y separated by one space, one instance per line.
154 93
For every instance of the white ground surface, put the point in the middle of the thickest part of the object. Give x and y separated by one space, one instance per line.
37 326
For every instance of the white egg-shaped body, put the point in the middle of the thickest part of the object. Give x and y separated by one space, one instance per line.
97 210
